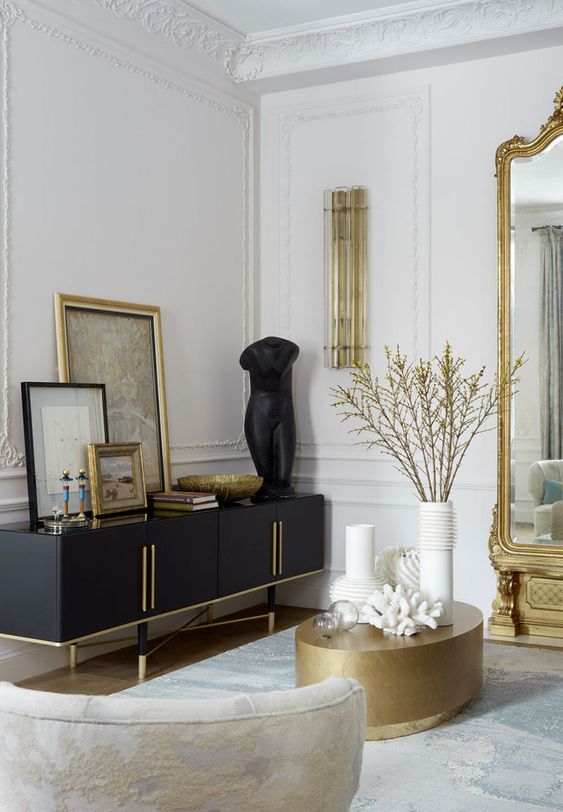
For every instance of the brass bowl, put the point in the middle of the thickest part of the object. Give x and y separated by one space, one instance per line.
227 487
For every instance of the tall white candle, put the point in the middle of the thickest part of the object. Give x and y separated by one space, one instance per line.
360 551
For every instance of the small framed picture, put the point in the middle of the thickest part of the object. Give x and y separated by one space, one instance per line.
117 478
59 421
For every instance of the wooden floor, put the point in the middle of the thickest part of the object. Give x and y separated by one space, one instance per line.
117 670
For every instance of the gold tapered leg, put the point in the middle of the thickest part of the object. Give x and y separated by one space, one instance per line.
73 655
142 666
271 621
210 614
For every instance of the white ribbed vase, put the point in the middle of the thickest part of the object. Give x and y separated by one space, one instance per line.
436 541
360 580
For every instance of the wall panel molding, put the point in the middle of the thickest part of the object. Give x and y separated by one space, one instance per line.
415 104
9 455
375 482
11 15
14 504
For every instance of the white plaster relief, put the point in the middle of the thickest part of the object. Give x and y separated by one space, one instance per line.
393 32
10 456
183 29
354 38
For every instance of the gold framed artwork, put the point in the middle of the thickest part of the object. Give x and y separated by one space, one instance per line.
120 344
116 477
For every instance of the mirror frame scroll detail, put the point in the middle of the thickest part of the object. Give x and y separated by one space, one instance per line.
529 594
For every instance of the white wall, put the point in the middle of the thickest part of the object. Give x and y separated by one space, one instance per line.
123 178
424 143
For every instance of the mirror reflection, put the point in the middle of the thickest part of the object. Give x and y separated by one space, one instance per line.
537 329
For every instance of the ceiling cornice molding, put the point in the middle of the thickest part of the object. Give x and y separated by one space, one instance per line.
184 26
404 29
423 25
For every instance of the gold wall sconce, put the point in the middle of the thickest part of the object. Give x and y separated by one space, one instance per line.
345 227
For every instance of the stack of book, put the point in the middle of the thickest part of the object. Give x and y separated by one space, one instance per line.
184 501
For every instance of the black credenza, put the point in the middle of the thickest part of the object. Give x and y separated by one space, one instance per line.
60 590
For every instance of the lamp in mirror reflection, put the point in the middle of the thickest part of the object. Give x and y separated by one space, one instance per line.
345 232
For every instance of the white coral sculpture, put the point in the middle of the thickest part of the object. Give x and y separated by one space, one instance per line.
401 611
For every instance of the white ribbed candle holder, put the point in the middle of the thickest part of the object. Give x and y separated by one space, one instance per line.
436 540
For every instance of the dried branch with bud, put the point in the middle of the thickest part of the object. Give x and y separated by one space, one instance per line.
425 415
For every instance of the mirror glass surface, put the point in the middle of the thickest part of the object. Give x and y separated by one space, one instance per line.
536 264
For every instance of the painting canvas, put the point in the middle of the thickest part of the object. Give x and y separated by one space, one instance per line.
118 483
119 344
117 478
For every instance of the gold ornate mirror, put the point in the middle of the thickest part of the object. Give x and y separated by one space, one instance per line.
526 542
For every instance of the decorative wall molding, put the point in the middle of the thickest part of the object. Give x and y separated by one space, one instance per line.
226 455
415 104
527 216
392 31
527 448
9 454
12 473
15 504
370 503
375 482
185 30
10 14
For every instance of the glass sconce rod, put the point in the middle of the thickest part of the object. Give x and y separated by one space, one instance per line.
345 217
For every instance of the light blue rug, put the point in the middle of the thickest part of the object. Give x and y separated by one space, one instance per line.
504 752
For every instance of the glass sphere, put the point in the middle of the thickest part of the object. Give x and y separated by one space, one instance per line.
346 614
325 624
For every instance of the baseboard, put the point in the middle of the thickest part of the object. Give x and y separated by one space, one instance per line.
309 592
17 665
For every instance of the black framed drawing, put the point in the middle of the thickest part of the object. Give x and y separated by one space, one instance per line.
60 420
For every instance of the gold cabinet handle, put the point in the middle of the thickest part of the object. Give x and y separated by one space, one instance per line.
274 547
153 576
144 580
280 536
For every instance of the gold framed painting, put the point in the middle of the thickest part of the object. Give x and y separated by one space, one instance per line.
117 478
120 344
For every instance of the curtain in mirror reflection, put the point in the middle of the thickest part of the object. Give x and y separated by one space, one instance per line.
551 341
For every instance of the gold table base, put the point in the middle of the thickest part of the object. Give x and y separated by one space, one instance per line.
411 683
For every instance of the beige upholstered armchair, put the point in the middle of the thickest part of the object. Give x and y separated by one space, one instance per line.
280 751
539 472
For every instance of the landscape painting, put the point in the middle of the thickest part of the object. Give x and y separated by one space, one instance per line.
119 344
117 478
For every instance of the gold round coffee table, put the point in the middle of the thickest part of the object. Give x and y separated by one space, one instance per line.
411 683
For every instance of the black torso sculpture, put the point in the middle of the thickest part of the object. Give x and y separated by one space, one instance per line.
269 424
